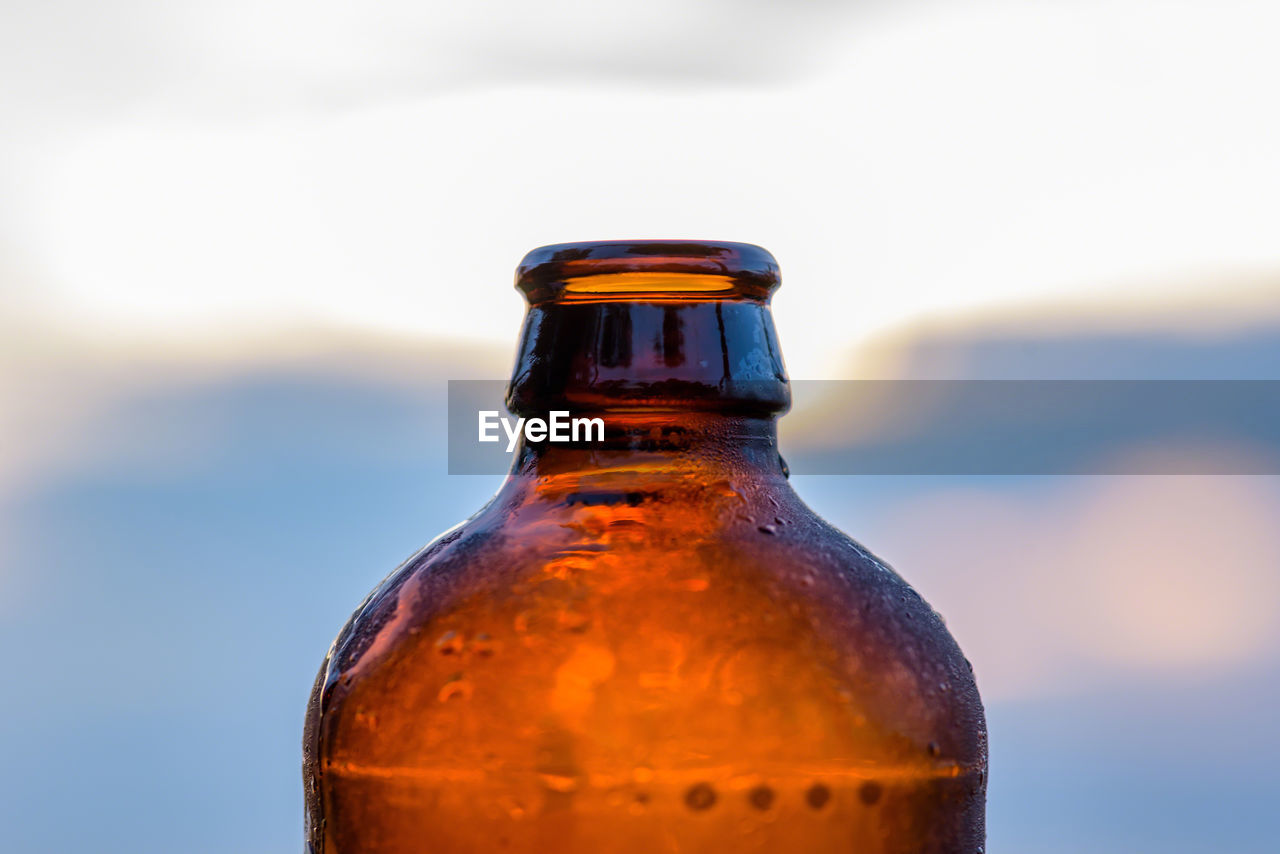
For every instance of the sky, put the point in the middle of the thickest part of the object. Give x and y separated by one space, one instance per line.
244 245
177 167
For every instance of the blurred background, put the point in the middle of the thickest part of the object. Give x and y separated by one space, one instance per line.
244 245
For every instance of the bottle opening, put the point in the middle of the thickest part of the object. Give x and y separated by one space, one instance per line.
650 270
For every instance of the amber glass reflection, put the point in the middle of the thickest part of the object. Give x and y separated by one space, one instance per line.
648 644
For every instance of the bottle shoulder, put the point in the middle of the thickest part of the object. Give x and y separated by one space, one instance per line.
593 544
561 599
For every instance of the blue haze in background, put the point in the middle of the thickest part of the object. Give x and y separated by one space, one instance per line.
164 623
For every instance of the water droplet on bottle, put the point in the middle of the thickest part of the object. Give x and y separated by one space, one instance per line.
456 688
574 621
934 750
449 643
700 796
483 645
817 796
562 783
869 792
761 797
768 529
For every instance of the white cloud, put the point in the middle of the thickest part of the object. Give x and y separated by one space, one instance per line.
940 157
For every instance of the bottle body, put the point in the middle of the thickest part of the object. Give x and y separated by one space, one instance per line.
648 646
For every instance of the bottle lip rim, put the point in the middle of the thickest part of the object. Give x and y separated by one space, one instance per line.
680 270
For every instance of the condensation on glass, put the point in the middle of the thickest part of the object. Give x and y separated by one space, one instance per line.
647 644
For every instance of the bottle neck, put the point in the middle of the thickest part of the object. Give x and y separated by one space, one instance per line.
675 355
661 445
669 344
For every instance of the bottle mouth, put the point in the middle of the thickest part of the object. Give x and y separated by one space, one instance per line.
650 270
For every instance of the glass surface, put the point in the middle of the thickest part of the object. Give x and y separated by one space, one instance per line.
646 644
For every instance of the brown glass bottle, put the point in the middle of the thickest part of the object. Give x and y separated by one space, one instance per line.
646 644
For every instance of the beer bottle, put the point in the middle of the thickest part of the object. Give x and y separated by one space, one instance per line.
646 642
